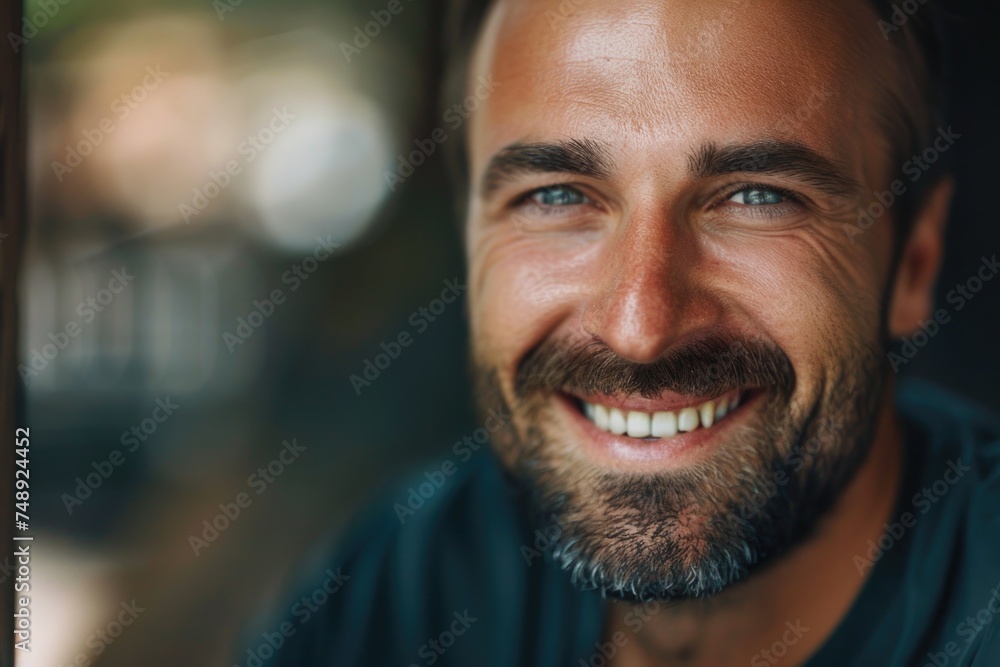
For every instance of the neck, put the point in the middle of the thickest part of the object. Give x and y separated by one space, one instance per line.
796 602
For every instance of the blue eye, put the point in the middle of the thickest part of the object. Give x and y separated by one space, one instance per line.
758 197
558 195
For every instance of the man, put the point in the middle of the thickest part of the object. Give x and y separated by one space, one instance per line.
682 301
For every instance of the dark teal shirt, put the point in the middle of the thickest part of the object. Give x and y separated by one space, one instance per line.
463 580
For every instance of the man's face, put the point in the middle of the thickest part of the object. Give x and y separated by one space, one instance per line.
661 287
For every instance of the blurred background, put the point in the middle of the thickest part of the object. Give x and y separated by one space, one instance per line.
215 251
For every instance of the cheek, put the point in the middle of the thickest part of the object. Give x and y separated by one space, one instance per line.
814 294
522 289
817 296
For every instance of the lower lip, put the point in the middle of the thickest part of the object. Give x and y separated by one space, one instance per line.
640 455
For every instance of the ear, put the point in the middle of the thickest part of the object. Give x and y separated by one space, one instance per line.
913 290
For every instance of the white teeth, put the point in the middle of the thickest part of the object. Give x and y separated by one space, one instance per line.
601 417
687 420
639 425
707 412
616 422
663 424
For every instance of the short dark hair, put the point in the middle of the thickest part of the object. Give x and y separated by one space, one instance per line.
911 119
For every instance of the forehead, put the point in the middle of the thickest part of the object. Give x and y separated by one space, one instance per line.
669 74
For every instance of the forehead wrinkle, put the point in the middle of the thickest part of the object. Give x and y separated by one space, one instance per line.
757 73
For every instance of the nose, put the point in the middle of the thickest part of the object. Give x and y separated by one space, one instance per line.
646 298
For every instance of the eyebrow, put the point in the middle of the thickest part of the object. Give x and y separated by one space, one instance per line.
779 158
588 157
583 157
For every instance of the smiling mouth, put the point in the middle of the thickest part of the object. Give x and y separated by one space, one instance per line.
661 424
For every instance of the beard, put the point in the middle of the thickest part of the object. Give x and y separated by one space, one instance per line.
690 532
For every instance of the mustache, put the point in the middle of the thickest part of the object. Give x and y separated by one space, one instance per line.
709 366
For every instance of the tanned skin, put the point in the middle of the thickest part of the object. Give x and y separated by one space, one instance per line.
655 253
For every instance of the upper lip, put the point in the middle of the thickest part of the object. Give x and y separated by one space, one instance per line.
668 401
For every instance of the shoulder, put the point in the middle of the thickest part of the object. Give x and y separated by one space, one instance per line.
438 553
955 426
962 480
